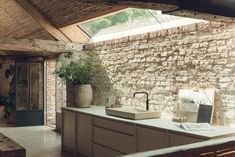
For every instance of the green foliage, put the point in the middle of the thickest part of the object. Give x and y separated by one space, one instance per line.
119 18
9 102
128 15
77 69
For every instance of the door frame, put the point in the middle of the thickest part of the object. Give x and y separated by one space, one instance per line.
22 121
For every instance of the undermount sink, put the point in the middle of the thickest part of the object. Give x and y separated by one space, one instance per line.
132 113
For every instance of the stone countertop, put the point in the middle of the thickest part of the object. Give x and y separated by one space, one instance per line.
160 123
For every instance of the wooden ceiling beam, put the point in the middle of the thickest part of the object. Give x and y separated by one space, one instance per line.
163 5
75 34
94 15
213 7
38 45
37 16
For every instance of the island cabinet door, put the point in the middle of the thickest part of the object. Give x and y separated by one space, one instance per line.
112 138
150 139
68 131
178 139
84 135
102 151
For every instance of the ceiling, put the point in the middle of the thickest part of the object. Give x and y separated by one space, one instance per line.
15 22
65 12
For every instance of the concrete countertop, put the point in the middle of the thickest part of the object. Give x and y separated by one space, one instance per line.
160 123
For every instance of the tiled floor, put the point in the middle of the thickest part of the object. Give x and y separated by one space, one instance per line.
39 141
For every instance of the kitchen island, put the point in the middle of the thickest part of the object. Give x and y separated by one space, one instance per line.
90 132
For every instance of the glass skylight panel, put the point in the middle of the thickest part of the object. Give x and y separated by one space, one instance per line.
131 21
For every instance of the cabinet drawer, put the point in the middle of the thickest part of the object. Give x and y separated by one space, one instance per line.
84 135
68 132
114 125
176 139
117 141
149 139
100 151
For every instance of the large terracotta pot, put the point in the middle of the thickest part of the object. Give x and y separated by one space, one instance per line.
83 95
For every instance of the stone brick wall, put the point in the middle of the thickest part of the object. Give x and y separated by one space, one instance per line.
51 92
195 56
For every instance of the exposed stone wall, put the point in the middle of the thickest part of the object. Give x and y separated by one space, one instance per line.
51 92
56 92
199 55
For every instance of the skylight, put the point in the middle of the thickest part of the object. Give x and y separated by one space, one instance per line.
131 22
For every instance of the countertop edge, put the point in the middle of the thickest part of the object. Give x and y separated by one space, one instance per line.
137 122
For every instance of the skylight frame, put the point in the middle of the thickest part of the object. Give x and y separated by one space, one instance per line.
111 14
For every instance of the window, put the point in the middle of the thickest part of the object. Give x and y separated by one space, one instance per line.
130 22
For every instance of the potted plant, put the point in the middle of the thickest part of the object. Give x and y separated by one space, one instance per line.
78 70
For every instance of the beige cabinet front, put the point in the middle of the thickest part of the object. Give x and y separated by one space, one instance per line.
177 139
84 135
112 137
90 136
101 151
150 139
68 131
77 133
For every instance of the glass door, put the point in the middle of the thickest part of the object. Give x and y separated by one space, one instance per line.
29 94
22 86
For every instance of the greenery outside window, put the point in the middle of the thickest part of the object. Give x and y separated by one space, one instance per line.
130 22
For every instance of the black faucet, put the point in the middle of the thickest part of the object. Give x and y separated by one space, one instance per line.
147 99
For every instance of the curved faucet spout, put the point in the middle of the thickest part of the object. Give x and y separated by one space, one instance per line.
147 98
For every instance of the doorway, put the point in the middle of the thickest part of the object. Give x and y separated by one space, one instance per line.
29 93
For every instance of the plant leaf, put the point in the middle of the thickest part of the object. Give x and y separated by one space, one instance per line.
7 73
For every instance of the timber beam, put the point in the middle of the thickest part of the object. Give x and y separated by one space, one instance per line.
38 45
38 17
224 8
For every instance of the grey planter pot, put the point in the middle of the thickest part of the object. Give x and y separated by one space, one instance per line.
83 95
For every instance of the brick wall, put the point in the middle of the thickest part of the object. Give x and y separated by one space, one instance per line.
51 91
56 92
199 55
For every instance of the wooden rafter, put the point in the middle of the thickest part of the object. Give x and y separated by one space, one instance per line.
75 34
36 15
211 7
38 45
164 5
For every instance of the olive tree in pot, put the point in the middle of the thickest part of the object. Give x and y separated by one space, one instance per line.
78 70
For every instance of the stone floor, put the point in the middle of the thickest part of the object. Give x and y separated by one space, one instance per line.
39 141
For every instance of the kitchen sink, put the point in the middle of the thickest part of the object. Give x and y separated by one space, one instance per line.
132 113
